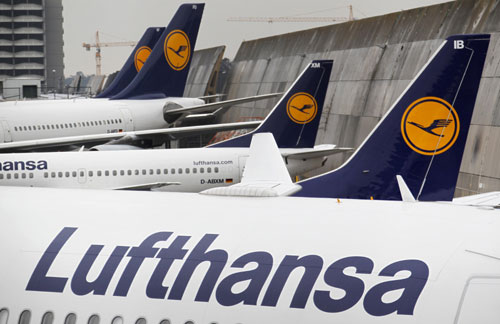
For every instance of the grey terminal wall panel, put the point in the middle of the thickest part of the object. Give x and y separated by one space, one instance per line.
375 59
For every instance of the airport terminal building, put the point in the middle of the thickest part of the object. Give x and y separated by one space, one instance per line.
31 47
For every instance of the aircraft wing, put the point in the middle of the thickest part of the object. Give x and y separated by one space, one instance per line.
486 200
123 137
148 186
316 151
172 115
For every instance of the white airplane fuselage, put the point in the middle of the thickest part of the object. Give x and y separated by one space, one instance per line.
31 120
187 257
184 170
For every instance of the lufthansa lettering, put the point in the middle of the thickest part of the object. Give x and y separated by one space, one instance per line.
23 165
227 289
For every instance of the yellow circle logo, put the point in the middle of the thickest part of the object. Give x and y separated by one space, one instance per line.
301 108
141 55
177 49
430 126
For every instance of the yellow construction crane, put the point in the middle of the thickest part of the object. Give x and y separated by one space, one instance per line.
293 19
98 46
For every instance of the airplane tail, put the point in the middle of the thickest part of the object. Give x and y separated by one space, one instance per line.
295 119
165 72
134 62
422 137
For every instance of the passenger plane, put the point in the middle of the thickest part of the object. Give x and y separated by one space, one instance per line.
92 256
293 121
143 105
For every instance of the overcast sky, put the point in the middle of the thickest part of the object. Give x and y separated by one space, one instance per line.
126 20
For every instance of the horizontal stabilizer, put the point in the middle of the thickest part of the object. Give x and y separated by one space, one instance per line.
315 152
487 200
173 115
265 173
122 137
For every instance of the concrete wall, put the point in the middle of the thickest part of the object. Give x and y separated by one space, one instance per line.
203 71
375 59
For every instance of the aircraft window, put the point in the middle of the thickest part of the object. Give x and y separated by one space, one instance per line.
74 125
120 120
70 319
129 172
122 172
195 170
82 173
112 121
187 170
66 126
144 172
86 123
115 172
99 173
74 174
29 127
95 122
48 318
52 174
106 173
209 170
202 170
94 319
100 122
136 172
158 171
52 126
43 127
91 123
8 175
61 126
16 176
39 127
165 171
91 173
66 174
57 126
172 171
1 176
15 128
25 317
141 320
79 124
180 171
31 175
4 316
151 171
189 322
60 174
165 321
23 175
117 320
216 170
25 128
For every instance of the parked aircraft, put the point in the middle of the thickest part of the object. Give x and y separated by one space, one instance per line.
71 255
422 136
141 107
186 169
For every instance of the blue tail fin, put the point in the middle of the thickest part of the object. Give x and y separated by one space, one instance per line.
134 62
421 138
165 72
295 119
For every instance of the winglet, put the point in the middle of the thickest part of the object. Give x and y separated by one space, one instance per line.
406 194
265 173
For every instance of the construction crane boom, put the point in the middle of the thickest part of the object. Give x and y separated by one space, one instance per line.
98 44
293 19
